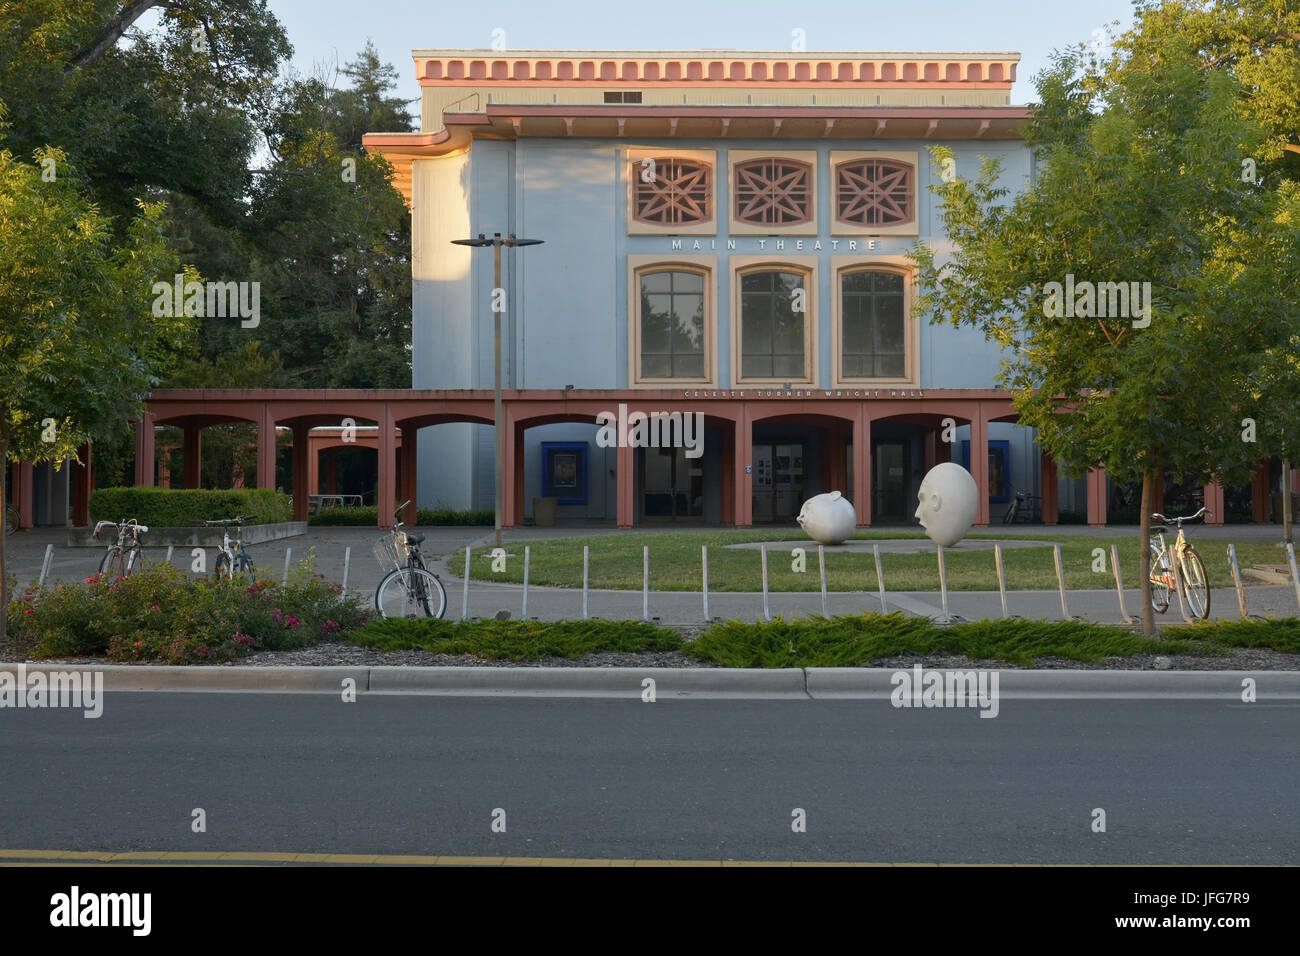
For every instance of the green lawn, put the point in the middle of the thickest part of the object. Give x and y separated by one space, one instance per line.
675 562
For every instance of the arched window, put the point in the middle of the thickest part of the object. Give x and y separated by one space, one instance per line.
773 326
874 192
673 338
873 325
773 192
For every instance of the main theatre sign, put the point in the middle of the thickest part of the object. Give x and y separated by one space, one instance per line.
772 244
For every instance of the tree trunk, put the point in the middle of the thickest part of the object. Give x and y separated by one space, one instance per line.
4 581
111 33
1286 502
1144 564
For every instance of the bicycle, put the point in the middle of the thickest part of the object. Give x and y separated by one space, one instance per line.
1191 581
122 556
410 589
232 559
1025 503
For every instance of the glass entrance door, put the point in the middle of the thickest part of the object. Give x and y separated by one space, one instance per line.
778 481
672 485
889 482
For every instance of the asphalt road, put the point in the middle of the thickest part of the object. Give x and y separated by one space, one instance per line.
1181 782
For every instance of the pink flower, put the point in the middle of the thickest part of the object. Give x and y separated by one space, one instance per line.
157 608
291 621
29 611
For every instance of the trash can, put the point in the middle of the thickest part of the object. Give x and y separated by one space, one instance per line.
544 511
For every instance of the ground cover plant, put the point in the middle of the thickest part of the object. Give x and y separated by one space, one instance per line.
163 614
515 640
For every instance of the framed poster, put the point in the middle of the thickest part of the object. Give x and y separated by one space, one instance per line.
564 471
999 469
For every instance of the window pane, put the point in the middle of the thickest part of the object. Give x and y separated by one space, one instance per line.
656 282
788 366
688 366
655 318
688 324
687 282
656 365
756 324
891 366
756 366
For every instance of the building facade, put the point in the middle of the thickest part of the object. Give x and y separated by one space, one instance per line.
724 235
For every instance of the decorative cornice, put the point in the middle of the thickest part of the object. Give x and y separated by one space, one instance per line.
708 68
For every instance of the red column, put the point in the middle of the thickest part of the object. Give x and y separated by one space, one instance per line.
83 484
409 492
1214 502
313 468
144 451
1097 497
266 449
520 473
979 464
744 469
625 477
862 465
301 477
387 467
1261 505
193 457
834 462
1049 492
728 464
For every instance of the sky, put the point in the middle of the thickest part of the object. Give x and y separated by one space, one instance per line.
324 32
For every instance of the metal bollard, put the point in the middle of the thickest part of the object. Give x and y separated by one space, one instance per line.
767 614
464 598
821 564
1236 580
523 614
704 557
288 553
1060 580
1295 575
45 565
347 567
170 549
1002 581
645 582
880 578
1119 585
586 564
943 585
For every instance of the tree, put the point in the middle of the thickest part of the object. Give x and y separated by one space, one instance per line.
79 345
1138 181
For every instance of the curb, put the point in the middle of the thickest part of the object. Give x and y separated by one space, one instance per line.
851 683
671 683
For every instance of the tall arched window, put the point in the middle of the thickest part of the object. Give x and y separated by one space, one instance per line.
873 331
673 338
773 326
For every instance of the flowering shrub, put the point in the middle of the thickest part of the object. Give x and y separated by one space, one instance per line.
160 614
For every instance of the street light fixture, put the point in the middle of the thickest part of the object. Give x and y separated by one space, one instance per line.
496 242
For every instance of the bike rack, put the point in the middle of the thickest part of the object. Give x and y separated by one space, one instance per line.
1002 581
1119 586
880 578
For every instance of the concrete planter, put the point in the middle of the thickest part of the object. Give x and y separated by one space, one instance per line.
201 537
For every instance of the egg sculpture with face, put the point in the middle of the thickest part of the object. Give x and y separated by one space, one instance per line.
828 518
948 499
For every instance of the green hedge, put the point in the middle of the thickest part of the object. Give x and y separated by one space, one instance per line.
369 517
515 640
169 508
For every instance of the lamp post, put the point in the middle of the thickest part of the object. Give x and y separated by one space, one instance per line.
496 242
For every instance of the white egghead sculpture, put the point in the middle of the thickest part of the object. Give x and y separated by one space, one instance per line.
828 519
948 500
